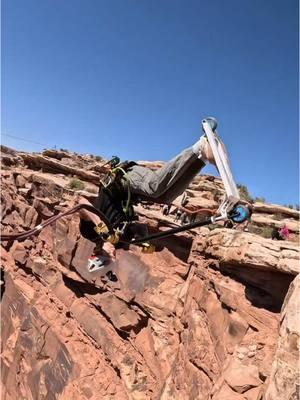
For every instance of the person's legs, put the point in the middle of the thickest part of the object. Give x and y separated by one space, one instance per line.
172 178
176 189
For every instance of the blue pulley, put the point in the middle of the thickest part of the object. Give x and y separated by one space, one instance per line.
240 214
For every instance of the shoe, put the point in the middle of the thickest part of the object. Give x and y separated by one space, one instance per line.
203 150
97 263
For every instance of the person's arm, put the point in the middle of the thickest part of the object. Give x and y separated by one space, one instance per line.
106 247
87 215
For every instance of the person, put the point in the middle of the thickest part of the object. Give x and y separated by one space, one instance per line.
275 235
284 232
281 233
160 186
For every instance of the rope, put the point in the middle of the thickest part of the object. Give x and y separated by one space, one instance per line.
51 220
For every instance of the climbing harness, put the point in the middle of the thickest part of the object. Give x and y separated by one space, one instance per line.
115 203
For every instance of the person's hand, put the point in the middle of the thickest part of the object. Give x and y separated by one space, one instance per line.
109 250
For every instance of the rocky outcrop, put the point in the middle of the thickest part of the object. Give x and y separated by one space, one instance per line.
267 266
46 354
9 157
47 164
236 248
265 220
57 154
276 209
198 319
284 379
268 216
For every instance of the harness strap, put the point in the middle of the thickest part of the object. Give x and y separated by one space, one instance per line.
125 176
115 176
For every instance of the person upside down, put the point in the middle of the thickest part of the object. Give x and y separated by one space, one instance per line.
163 185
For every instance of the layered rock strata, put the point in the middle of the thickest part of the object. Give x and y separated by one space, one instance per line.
212 315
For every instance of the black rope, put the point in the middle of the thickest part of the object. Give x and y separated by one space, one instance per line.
171 231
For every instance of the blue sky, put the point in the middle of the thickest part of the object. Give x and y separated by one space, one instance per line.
135 78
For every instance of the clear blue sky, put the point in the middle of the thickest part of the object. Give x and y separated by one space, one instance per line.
135 78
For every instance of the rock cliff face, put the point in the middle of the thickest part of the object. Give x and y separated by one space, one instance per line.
212 315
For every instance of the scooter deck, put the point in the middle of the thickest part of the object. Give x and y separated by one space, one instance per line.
222 164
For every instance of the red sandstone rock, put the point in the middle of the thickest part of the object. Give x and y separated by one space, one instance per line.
199 319
284 377
226 393
241 377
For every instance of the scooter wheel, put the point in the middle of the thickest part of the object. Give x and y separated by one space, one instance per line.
213 123
240 214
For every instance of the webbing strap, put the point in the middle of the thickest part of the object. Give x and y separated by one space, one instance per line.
125 176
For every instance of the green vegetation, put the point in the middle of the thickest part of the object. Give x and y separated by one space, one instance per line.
98 158
260 199
266 232
127 360
140 385
76 184
244 193
263 231
65 150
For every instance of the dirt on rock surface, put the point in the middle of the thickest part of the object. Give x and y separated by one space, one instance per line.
212 315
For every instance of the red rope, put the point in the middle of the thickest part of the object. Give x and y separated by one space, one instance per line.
51 220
